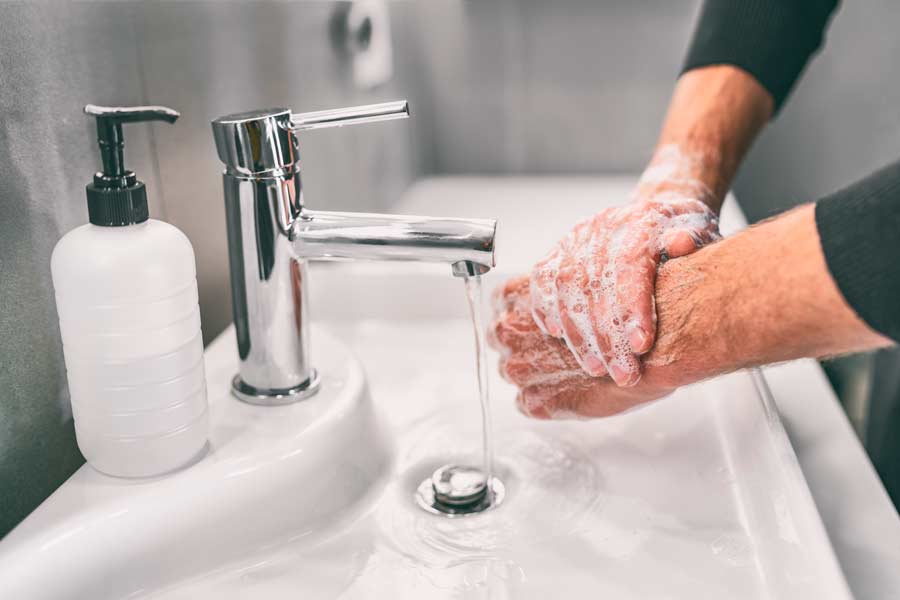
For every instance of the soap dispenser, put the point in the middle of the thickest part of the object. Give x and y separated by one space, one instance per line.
126 294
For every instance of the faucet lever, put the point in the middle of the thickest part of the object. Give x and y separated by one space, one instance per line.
354 115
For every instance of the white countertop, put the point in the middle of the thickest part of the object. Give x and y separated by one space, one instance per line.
861 521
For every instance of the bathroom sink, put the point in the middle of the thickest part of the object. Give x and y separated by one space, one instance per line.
270 475
697 496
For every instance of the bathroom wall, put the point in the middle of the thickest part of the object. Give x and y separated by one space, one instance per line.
54 59
528 86
581 86
843 120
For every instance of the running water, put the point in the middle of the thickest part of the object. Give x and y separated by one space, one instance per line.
456 489
473 295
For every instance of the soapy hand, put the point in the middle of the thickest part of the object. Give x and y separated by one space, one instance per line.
595 289
551 383
718 312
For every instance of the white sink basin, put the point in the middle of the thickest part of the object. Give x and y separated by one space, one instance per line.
271 475
698 496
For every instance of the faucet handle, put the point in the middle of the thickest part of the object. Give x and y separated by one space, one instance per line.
354 115
263 141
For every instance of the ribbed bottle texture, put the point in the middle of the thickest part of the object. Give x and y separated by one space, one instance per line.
130 326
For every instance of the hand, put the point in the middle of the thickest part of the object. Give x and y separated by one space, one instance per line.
718 312
551 383
595 290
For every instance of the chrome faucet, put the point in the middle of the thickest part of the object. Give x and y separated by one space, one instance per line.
271 235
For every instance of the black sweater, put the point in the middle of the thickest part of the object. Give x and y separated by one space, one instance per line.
859 226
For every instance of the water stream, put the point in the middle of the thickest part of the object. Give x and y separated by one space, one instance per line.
460 489
473 295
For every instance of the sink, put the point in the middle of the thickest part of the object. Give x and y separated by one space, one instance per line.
696 496
270 476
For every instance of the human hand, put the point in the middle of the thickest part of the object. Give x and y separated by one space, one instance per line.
551 383
595 290
718 312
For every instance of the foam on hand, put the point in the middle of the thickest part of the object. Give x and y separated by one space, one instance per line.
595 288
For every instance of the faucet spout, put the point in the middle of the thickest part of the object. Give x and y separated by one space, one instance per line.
363 236
272 236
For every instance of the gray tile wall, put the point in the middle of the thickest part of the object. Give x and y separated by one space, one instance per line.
54 59
526 86
843 120
581 86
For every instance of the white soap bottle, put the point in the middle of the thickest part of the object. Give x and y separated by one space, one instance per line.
126 294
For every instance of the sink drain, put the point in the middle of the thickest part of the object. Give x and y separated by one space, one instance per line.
455 490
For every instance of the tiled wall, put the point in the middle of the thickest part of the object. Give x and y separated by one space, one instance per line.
580 86
54 59
529 86
843 120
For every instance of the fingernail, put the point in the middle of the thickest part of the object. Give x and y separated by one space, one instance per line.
622 376
539 412
636 337
594 366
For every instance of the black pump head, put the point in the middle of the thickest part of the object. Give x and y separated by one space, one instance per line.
116 197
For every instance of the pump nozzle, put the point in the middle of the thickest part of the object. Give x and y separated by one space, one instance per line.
116 197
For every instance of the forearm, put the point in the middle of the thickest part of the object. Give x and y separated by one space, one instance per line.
764 295
744 58
714 116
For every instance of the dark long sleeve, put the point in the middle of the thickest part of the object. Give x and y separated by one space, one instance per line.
859 228
770 39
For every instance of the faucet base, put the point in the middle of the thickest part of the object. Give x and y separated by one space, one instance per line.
266 397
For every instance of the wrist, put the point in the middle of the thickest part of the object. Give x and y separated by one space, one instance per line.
676 173
764 295
695 333
714 115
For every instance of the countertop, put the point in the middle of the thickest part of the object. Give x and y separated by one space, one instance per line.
859 517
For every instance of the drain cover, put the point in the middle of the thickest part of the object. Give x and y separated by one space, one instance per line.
459 490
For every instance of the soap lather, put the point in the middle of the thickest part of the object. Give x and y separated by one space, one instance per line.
126 294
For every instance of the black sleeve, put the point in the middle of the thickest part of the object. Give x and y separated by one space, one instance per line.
859 228
770 39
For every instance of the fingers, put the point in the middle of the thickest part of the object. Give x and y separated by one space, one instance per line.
634 298
595 290
609 267
690 227
528 356
543 290
531 408
573 302
584 398
543 294
505 296
507 302
678 242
